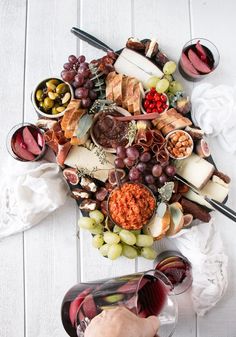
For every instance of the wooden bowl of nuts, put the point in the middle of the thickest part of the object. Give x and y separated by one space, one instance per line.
179 144
51 97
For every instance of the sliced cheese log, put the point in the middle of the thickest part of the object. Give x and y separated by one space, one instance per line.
196 170
133 64
213 190
81 157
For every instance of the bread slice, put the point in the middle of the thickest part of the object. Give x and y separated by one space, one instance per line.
125 81
73 106
130 94
137 99
109 85
182 123
117 89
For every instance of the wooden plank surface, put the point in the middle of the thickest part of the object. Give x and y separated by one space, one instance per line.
105 25
171 40
51 247
220 22
12 37
36 268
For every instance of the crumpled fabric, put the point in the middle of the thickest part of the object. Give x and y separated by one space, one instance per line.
28 193
203 247
214 111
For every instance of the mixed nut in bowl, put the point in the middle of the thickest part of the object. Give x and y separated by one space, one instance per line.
179 144
51 97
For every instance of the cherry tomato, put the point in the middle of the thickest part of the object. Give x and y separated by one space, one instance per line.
149 111
149 96
152 106
163 98
157 96
160 110
146 104
159 104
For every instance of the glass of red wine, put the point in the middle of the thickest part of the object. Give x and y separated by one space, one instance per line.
25 142
145 294
199 58
176 268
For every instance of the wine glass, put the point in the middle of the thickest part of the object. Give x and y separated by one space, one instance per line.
145 293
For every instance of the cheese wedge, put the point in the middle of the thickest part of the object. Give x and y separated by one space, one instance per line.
133 64
81 157
196 170
213 190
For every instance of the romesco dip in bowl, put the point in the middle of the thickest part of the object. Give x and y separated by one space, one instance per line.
131 205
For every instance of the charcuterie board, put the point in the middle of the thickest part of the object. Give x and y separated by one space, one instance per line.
122 133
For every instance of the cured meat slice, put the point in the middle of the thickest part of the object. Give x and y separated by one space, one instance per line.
198 63
30 142
144 138
63 150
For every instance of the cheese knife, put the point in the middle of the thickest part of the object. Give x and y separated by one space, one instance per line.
220 207
93 41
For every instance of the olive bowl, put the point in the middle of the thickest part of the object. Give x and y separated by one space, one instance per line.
35 103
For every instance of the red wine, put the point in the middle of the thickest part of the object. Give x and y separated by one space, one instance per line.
143 295
198 60
27 143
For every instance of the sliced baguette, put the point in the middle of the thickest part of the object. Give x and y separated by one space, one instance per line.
109 85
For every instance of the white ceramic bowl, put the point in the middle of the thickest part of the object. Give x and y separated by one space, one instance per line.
142 107
34 102
189 138
110 149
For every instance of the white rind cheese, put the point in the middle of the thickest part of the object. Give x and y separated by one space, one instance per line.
133 64
83 158
213 190
196 170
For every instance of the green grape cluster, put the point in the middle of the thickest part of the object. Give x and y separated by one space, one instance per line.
113 244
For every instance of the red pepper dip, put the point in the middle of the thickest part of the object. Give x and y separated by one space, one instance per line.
131 206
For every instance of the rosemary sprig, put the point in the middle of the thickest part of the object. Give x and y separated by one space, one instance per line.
132 129
101 104
101 154
98 80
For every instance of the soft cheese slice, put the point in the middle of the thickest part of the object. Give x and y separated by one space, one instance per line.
196 170
213 190
81 157
133 64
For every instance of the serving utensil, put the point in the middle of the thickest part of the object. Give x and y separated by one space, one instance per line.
220 207
93 41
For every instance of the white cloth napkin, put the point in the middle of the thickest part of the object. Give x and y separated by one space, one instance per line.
28 193
214 111
203 246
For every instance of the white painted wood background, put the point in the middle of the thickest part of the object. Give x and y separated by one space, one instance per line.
38 266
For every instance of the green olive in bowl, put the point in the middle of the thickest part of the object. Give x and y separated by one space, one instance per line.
51 97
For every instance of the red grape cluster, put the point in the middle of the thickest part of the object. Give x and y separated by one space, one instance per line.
76 72
143 167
